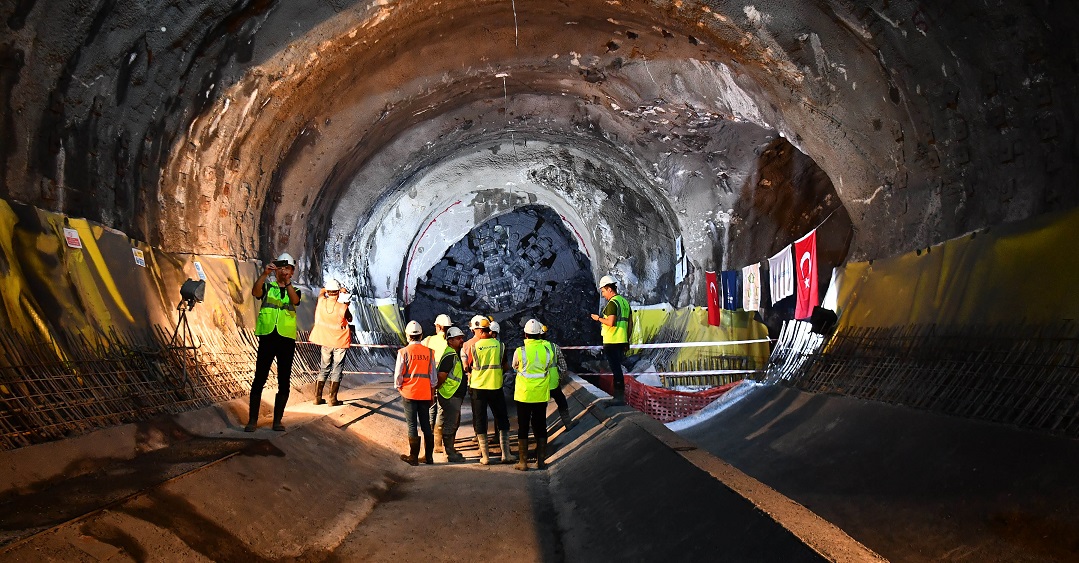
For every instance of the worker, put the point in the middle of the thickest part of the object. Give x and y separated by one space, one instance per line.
451 391
276 332
616 320
484 366
331 333
559 370
532 390
414 377
437 343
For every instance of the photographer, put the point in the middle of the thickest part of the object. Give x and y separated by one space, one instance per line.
276 331
331 333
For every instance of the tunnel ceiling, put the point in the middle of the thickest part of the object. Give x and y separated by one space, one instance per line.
256 127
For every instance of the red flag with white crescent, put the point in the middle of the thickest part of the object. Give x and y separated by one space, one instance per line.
714 316
805 267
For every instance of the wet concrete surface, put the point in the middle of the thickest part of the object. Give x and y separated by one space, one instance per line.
912 485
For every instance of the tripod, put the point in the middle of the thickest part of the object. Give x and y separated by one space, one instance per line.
182 337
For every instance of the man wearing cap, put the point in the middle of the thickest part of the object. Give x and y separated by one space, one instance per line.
276 332
331 333
532 390
484 364
414 377
616 324
437 343
451 391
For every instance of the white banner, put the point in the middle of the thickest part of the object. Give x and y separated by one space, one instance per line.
751 287
781 275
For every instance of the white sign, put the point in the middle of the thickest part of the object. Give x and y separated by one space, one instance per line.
140 258
198 268
72 238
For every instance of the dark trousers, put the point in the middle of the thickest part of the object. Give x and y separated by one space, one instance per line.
559 398
534 414
615 354
416 411
494 398
272 347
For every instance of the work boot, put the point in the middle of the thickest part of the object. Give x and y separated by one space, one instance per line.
279 411
253 413
619 397
429 449
481 439
439 440
319 386
567 420
335 386
507 455
452 455
522 455
541 453
413 451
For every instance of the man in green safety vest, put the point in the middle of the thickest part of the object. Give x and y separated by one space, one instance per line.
451 391
616 320
276 332
534 362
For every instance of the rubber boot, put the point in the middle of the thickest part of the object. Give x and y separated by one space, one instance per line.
413 451
482 440
429 449
507 455
452 455
567 420
279 412
522 456
253 413
619 397
439 440
319 386
335 386
541 453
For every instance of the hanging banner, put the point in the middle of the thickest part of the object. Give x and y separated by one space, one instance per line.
781 275
714 316
732 289
751 287
805 251
72 238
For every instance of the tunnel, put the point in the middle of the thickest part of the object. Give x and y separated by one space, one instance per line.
497 158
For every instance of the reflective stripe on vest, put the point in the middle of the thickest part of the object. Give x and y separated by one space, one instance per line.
416 380
330 328
619 333
486 365
532 385
276 312
454 379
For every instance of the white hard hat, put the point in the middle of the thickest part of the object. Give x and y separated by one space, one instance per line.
494 326
443 320
533 327
286 257
333 285
454 332
479 321
413 328
605 281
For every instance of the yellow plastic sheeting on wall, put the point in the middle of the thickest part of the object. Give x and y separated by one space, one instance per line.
1017 272
648 322
690 324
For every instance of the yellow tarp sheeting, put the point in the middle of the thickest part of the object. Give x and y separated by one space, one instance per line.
1018 272
690 324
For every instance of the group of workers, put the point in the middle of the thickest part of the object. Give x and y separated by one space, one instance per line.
434 374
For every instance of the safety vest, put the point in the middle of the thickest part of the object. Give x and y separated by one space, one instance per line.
330 327
453 381
554 368
486 365
276 312
619 333
437 343
416 379
532 383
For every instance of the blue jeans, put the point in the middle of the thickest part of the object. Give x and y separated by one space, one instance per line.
333 363
417 411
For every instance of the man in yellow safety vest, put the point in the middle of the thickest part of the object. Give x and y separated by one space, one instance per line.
616 320
532 390
276 332
483 362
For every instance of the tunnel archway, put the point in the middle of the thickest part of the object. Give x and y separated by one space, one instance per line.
519 265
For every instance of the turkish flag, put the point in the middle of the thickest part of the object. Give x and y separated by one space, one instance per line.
805 266
714 316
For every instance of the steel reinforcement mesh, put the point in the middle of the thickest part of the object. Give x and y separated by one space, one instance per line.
1024 375
69 386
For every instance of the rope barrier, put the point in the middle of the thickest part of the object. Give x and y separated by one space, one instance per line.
676 344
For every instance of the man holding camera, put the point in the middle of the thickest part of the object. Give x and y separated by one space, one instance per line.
331 333
276 332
